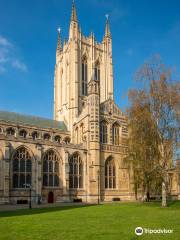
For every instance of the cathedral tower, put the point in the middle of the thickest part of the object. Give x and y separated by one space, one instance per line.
76 62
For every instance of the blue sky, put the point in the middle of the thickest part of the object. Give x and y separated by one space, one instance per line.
28 35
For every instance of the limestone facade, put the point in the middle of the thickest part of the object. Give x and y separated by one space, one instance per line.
83 99
80 154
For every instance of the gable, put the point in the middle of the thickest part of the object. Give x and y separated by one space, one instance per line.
110 108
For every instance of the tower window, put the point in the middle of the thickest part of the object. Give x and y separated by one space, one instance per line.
97 71
110 174
84 77
115 134
103 132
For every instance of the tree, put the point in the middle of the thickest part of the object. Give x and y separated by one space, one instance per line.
154 123
142 142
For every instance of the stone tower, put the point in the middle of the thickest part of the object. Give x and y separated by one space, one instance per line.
76 62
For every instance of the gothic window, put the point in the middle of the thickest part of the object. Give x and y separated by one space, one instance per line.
28 179
15 181
21 168
57 139
97 71
115 134
47 136
51 169
45 180
56 181
10 131
75 172
110 174
22 133
35 135
84 77
103 132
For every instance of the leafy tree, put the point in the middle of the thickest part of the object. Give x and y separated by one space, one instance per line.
154 123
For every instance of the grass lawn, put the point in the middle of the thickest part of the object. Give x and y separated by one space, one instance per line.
108 221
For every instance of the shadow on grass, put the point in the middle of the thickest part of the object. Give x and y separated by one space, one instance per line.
174 203
21 212
170 204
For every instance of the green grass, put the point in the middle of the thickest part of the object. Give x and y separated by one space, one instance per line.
106 222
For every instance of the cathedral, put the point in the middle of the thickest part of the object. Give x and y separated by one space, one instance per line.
80 155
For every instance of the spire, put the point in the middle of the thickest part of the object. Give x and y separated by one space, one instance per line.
73 14
107 29
59 47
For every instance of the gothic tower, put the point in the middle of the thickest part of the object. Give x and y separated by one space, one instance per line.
76 62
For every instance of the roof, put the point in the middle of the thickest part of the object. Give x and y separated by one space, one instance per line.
31 120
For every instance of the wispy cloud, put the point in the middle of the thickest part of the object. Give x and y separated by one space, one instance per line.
8 57
3 55
4 42
19 65
117 13
112 8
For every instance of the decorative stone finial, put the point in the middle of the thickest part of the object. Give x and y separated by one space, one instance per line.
107 29
73 14
59 47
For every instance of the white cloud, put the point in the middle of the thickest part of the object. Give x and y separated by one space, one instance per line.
19 65
8 57
116 11
4 42
3 55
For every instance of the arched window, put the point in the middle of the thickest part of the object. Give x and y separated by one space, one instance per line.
47 136
22 133
84 77
110 174
97 71
51 169
115 134
75 172
67 140
103 132
10 131
35 135
57 139
21 168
